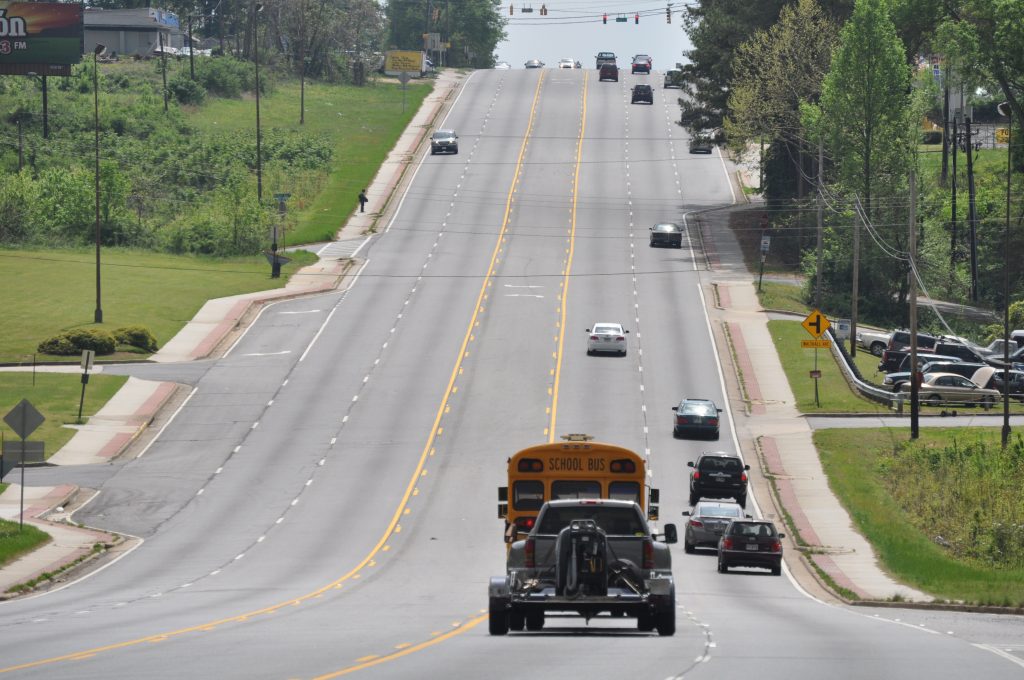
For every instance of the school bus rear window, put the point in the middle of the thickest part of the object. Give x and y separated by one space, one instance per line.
565 488
624 491
528 495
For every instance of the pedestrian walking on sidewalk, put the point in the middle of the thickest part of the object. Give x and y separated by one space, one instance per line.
362 200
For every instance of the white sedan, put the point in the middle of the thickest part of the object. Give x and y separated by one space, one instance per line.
606 337
566 63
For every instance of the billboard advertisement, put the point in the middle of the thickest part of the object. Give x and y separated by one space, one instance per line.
40 33
402 61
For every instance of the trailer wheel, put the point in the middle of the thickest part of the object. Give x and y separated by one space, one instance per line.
497 620
666 616
534 620
516 619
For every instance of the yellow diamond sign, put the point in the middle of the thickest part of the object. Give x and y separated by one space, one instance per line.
816 324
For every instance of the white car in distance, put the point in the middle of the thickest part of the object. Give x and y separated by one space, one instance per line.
566 63
606 336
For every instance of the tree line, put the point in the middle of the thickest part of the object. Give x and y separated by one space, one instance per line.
856 81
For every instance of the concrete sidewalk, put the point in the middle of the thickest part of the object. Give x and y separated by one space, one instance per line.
108 433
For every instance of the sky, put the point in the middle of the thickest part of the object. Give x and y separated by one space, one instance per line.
573 29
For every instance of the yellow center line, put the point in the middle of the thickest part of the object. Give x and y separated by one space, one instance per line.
393 526
568 267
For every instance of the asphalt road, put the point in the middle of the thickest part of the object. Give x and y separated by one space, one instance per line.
324 501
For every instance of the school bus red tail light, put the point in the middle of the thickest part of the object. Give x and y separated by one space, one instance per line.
531 465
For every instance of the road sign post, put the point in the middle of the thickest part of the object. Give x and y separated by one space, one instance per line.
23 419
816 324
88 356
766 242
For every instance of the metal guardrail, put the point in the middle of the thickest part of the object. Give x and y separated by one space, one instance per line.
892 399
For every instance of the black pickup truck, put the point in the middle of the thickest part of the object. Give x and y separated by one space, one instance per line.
587 557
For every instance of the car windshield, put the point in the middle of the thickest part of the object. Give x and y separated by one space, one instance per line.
616 521
606 330
698 408
665 227
753 529
443 134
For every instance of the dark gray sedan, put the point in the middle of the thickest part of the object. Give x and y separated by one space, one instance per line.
667 234
708 520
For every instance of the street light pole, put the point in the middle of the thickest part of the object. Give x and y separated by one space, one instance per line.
1004 109
259 142
98 315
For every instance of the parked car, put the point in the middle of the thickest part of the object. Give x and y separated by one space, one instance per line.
900 339
717 474
875 342
642 94
534 63
995 348
673 78
948 388
963 351
642 63
995 382
701 144
699 416
750 543
895 380
667 233
607 336
444 141
708 520
608 72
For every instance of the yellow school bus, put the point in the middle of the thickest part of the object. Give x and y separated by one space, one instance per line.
576 467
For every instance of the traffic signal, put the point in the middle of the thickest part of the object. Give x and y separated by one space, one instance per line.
543 10
636 18
668 15
605 18
511 10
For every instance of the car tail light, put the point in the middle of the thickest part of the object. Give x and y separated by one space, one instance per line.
648 554
620 338
743 477
525 523
776 546
696 523
727 543
529 554
682 420
594 337
696 474
712 421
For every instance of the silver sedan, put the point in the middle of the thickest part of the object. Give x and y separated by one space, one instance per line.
606 336
708 520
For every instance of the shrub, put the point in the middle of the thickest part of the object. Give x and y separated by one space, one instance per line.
186 90
136 336
74 341
227 76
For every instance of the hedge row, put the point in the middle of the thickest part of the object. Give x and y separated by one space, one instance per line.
100 341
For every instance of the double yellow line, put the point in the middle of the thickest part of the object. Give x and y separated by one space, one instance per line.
393 526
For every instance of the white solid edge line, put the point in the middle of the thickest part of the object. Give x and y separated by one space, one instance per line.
329 316
165 425
356 251
999 652
728 179
423 158
93 572
245 331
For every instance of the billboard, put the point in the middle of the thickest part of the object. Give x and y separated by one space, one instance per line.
403 61
39 33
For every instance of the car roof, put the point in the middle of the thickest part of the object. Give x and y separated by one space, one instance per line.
718 454
667 224
608 323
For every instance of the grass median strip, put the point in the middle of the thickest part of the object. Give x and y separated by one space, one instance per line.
944 513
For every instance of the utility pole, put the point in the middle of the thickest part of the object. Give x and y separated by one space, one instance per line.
952 212
856 280
1005 109
945 130
163 64
972 215
191 50
821 227
915 403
